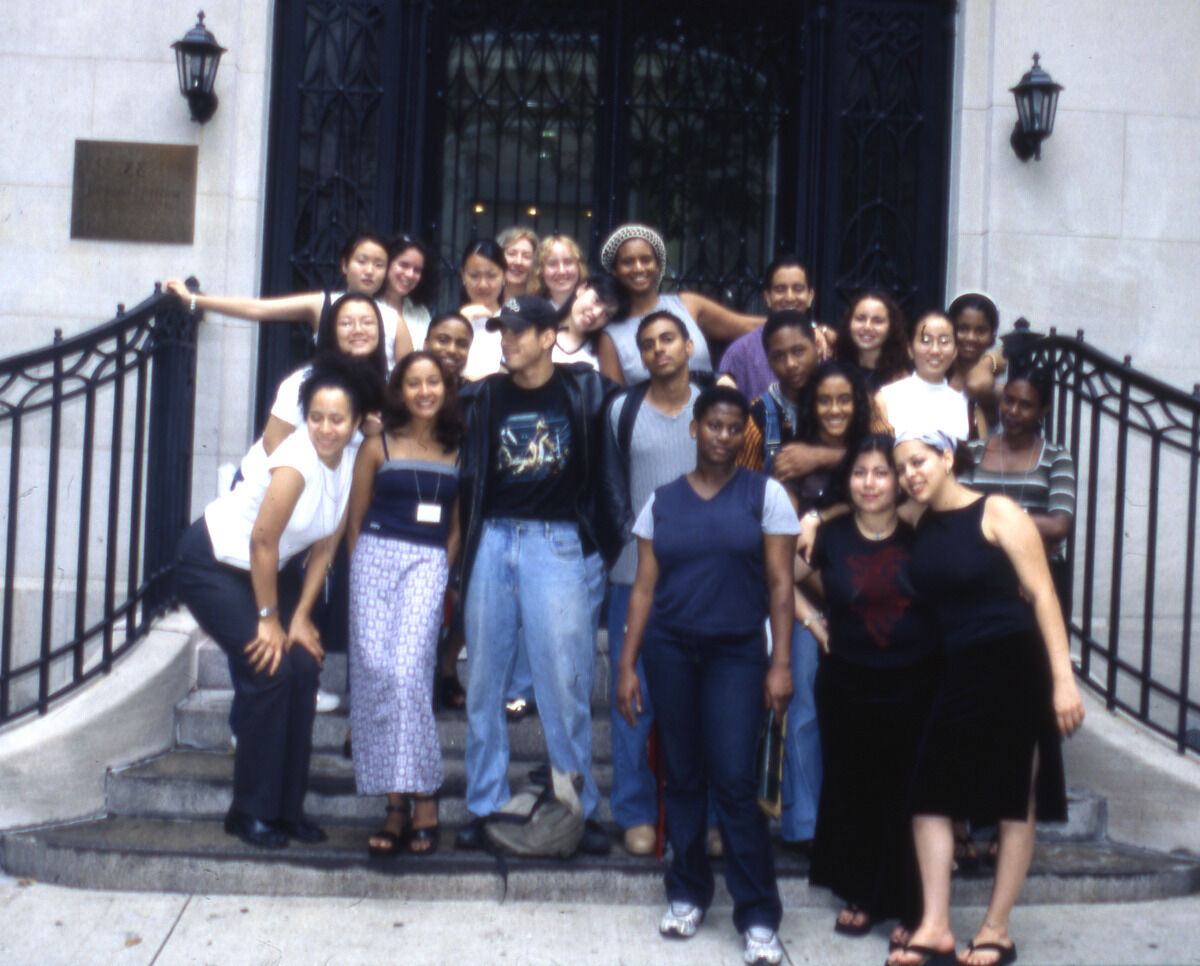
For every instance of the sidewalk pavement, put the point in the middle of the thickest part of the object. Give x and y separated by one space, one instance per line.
47 925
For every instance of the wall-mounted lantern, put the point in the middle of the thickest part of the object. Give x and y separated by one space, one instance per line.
197 56
1037 102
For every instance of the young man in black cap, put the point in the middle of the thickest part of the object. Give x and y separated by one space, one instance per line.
540 521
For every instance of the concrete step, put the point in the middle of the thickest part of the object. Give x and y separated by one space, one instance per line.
172 856
192 784
202 721
212 670
199 785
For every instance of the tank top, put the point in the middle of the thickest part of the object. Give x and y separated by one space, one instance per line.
970 584
624 337
402 488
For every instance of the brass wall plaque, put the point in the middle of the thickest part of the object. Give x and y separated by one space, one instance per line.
125 191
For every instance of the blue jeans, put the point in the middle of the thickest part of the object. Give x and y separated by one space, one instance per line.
529 582
634 797
521 685
708 702
802 744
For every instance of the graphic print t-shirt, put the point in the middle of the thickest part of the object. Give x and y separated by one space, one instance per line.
874 617
534 460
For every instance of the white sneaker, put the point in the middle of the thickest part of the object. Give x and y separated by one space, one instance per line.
681 920
327 701
763 947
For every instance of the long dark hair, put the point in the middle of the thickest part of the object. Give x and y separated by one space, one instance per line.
422 293
447 425
893 357
327 342
484 248
870 443
860 422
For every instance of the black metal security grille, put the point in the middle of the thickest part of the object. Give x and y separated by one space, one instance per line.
740 130
887 152
519 115
710 96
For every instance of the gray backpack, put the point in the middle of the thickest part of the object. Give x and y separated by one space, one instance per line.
541 820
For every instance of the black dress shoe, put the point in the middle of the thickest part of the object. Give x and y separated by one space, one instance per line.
470 836
254 831
302 830
596 840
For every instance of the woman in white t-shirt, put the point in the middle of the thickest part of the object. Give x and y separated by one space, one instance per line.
364 265
925 401
230 572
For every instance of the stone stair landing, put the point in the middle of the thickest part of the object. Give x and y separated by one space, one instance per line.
162 830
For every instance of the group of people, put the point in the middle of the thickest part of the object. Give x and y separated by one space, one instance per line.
847 526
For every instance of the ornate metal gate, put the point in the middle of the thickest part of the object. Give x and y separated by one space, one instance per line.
740 130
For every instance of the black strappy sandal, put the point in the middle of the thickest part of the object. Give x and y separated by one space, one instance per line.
396 841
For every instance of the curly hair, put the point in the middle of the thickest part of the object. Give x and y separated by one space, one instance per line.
860 422
893 357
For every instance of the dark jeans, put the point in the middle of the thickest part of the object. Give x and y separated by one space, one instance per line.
708 702
274 712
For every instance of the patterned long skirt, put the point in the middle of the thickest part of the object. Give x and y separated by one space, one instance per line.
396 593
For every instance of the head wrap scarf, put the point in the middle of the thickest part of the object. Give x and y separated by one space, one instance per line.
608 254
933 438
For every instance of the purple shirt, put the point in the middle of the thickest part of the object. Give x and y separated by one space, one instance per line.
746 361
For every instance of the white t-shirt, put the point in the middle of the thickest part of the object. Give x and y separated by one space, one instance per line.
485 357
914 404
230 517
585 353
779 516
417 318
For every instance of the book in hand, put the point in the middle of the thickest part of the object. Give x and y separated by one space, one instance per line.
770 764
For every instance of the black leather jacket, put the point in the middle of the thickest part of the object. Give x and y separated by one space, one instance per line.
602 503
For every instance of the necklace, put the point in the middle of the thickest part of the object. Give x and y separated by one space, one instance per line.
876 535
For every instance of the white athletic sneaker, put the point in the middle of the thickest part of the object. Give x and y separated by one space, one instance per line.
681 920
327 701
763 947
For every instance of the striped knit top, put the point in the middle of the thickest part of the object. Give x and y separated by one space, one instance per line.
1047 487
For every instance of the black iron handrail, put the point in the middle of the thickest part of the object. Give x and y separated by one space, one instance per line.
101 424
1136 445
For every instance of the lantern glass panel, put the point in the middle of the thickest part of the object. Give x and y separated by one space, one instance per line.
1051 110
1037 111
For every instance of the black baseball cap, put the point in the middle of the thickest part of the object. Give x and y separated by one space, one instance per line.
523 311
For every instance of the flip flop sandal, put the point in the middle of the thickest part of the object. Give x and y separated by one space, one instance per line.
929 956
1008 954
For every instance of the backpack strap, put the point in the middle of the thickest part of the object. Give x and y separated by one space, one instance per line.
630 406
772 431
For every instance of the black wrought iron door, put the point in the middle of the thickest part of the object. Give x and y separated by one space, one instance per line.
740 130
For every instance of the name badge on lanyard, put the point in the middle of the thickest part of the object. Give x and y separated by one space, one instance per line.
429 513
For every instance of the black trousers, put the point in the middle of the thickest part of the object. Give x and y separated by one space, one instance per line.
274 712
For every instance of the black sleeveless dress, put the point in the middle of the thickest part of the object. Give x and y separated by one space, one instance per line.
993 712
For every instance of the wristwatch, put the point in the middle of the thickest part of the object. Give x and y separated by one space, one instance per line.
264 612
